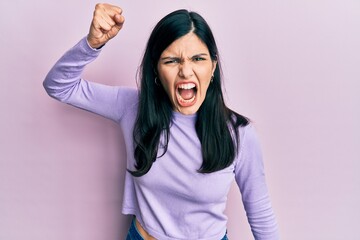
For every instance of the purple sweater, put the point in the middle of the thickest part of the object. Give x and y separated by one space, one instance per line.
173 200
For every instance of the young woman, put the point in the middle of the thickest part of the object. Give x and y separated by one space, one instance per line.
184 145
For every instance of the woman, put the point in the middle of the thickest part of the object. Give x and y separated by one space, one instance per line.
184 146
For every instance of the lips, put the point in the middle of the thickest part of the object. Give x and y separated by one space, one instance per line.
186 94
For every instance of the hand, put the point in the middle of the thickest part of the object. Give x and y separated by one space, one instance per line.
106 23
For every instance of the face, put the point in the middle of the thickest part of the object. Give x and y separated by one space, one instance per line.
185 69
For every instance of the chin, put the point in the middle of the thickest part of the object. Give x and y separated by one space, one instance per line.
188 110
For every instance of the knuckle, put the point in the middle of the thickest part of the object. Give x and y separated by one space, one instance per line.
99 5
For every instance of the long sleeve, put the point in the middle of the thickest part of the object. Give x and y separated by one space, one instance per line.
65 84
250 177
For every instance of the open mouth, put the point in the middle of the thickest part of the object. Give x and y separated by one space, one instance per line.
186 94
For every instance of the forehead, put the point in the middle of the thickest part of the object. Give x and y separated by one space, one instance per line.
188 44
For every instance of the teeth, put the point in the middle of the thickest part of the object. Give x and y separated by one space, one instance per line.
187 85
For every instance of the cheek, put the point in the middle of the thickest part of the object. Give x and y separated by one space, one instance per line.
204 88
166 83
204 71
167 77
205 80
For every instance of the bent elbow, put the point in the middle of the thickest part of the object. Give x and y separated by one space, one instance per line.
54 89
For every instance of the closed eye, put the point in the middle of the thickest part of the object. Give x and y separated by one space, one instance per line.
171 60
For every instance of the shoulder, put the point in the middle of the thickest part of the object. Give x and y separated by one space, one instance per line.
247 135
244 131
238 125
248 163
248 142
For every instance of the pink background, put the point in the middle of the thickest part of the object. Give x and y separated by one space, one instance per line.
291 66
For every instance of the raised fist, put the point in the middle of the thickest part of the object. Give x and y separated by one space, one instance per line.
106 23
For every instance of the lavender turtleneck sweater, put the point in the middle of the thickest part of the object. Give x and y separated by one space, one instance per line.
172 201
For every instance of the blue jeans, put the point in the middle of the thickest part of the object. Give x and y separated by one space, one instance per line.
133 233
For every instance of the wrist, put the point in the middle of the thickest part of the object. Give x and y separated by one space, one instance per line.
94 46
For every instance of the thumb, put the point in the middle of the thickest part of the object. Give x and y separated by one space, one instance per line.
119 22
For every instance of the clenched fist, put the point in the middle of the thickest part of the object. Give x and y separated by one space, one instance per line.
106 23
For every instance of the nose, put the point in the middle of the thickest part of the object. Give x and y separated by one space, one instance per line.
186 70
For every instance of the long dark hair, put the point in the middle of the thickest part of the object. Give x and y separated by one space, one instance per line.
216 124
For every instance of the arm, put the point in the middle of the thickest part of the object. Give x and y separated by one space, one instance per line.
64 82
250 178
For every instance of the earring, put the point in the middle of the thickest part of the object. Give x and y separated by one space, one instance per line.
212 78
156 81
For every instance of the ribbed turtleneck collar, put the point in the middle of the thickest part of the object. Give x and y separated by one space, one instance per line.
184 118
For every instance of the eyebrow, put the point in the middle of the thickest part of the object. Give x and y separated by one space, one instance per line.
196 55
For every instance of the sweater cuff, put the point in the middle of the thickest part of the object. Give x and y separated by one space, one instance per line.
85 46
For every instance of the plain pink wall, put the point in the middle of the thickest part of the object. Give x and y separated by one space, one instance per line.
291 66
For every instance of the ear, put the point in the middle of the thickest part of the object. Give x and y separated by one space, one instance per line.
214 64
